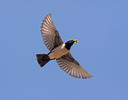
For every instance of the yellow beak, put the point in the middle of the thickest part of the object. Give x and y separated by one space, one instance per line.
76 41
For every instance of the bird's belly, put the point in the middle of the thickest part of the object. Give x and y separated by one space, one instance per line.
58 53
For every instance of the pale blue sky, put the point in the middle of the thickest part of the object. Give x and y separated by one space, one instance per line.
101 26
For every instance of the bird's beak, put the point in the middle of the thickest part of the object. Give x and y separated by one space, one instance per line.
76 41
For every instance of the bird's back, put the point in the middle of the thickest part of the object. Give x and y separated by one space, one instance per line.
58 52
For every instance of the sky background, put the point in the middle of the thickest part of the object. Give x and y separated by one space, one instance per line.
101 26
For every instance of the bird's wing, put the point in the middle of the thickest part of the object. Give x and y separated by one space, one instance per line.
72 67
50 34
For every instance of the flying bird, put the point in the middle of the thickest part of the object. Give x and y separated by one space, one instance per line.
59 50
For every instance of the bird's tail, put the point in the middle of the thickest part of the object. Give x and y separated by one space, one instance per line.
42 59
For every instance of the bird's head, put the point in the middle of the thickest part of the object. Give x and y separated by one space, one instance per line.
69 43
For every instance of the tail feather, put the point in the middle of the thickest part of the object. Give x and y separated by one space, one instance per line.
42 59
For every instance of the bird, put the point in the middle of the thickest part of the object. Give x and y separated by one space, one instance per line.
59 51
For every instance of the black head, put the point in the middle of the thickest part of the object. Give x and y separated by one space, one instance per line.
68 44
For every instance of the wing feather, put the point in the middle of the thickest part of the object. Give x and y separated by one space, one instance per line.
50 34
72 67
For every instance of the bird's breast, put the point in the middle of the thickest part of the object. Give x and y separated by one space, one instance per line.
58 52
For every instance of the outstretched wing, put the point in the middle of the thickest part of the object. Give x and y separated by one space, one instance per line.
72 67
50 34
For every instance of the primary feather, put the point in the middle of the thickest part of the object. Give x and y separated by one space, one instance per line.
72 67
50 34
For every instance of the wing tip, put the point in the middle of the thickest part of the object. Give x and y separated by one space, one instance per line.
83 77
79 74
49 14
44 22
88 76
